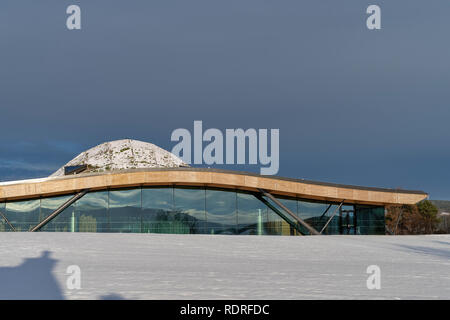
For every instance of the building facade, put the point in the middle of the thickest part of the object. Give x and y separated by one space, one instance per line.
194 201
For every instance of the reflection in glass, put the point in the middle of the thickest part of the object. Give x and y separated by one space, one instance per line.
333 226
280 225
189 215
346 223
252 213
290 203
307 209
157 206
4 227
370 220
65 221
276 225
91 213
125 213
189 210
316 214
23 215
221 214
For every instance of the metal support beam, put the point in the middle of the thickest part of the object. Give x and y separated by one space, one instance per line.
7 221
273 208
59 210
282 206
332 216
325 212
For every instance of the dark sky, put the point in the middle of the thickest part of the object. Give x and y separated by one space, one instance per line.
353 106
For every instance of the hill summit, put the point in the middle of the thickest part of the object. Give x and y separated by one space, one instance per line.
123 154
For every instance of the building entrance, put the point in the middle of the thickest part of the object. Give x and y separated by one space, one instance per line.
347 220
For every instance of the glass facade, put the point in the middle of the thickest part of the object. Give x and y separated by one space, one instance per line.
251 213
62 222
190 210
3 225
23 215
157 207
279 221
189 215
370 220
125 214
91 213
221 213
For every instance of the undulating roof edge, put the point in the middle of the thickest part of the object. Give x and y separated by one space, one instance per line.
330 184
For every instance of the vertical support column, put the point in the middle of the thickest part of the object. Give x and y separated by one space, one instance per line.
72 222
259 226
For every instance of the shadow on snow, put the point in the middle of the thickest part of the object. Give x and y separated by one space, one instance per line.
33 279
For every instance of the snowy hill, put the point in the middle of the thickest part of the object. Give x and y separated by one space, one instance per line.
124 154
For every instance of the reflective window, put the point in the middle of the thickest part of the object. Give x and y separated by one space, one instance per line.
221 214
316 214
190 210
3 225
334 225
251 214
275 225
370 220
63 222
189 214
291 204
347 221
23 215
378 225
157 207
91 213
125 214
280 221
308 209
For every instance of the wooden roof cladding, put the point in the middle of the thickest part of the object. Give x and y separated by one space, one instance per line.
208 178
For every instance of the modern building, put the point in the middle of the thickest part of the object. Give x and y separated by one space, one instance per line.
132 186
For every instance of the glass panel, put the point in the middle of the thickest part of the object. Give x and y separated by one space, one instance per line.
370 220
275 225
333 225
91 213
125 210
23 215
65 221
378 222
251 214
189 215
308 209
291 204
187 210
4 227
221 214
282 226
157 207
313 214
347 221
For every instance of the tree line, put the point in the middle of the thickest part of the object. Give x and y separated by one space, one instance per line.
421 218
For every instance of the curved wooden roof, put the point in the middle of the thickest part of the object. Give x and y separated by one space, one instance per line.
29 189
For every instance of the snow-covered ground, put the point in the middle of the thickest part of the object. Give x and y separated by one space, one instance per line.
151 266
